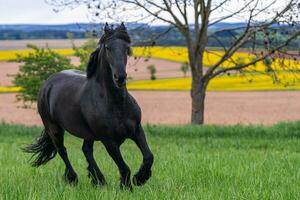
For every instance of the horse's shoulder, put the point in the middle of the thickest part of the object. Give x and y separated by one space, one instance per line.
132 100
134 106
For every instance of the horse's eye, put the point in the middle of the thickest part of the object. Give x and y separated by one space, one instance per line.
107 48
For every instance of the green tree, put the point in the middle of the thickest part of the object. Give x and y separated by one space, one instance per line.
83 52
36 67
268 64
184 68
152 70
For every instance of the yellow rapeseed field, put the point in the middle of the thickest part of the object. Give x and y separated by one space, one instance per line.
4 89
236 82
180 54
11 54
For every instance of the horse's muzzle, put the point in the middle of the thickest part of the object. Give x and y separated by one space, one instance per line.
120 80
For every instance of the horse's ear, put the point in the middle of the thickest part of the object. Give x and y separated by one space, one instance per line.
122 26
106 28
92 64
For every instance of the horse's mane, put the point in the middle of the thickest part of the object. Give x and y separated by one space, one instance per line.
92 64
109 34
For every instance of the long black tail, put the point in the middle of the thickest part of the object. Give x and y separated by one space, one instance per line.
43 150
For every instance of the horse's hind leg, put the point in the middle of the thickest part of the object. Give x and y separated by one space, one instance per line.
94 172
57 136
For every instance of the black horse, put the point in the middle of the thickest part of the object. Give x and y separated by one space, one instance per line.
95 106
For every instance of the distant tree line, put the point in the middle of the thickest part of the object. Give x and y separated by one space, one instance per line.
40 34
155 35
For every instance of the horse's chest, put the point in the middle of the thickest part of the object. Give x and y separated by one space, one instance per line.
116 121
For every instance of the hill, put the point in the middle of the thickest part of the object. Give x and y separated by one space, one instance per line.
141 34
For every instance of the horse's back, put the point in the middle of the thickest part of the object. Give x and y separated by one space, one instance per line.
59 97
67 77
62 83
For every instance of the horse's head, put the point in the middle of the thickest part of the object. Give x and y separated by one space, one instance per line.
116 48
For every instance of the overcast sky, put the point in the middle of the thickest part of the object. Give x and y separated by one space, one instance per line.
37 12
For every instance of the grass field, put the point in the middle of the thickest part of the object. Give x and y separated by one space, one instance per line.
191 162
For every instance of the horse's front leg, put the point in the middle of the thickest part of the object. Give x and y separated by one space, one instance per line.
114 151
144 172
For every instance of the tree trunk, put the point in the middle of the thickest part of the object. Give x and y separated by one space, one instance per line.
198 99
199 84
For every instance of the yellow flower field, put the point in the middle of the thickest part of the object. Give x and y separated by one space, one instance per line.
180 54
11 54
4 89
223 83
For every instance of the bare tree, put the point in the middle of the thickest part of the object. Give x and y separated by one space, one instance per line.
193 18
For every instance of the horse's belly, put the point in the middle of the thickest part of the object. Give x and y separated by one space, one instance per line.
69 117
113 128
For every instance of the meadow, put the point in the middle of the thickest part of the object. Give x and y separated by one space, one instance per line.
191 162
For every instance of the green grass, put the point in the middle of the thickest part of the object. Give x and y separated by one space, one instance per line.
191 162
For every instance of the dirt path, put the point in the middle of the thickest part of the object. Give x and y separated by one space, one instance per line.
52 43
174 108
7 70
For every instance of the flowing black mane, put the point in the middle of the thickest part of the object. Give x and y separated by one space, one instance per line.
109 34
92 64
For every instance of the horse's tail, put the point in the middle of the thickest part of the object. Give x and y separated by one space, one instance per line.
43 149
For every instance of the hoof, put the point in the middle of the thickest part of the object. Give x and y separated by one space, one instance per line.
125 184
127 187
141 177
71 177
97 181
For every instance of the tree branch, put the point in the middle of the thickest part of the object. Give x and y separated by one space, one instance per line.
249 30
242 66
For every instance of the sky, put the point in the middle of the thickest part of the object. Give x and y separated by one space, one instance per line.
38 12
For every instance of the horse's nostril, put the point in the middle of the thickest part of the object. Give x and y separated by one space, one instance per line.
121 79
115 76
